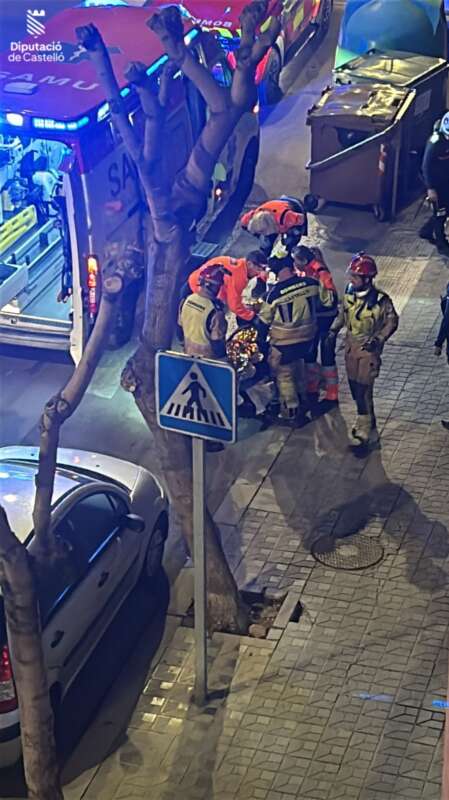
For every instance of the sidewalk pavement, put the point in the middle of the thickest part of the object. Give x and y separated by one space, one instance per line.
348 702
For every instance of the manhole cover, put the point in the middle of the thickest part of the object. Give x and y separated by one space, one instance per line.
354 552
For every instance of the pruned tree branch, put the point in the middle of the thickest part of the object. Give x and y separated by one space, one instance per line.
59 408
192 185
90 39
151 166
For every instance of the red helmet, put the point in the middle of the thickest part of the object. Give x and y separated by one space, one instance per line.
212 275
363 265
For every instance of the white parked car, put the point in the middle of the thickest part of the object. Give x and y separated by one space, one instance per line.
114 515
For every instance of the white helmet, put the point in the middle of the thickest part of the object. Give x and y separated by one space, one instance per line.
444 125
262 223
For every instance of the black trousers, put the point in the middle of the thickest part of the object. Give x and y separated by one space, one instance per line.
434 227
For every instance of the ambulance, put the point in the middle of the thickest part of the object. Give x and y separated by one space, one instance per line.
302 22
68 189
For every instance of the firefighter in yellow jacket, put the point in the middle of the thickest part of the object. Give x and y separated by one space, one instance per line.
202 316
288 318
370 319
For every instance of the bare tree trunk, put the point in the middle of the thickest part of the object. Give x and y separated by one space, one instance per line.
24 635
172 212
19 573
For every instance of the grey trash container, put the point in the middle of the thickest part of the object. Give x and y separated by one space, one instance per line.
356 144
426 75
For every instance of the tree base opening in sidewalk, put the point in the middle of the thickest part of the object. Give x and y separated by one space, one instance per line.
263 611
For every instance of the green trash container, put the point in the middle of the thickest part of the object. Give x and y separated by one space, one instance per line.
428 77
357 144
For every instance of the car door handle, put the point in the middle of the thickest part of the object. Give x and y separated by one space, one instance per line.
57 638
103 578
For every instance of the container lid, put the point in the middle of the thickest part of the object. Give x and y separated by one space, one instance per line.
364 103
391 66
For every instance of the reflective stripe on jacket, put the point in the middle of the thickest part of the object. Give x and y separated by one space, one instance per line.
290 310
366 317
203 324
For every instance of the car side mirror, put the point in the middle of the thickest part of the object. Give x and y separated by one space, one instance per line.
133 522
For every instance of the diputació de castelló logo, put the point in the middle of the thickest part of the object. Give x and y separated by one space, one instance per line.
35 25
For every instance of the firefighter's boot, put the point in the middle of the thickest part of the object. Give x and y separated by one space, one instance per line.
440 233
310 394
313 377
427 230
374 435
362 428
288 394
330 375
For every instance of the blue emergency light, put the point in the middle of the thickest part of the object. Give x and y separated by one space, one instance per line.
56 125
94 3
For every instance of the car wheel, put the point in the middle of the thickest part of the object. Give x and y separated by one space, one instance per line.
155 550
269 90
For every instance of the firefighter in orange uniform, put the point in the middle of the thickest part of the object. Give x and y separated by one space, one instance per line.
236 274
284 219
310 262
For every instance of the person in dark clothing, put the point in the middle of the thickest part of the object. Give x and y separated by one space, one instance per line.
435 169
443 337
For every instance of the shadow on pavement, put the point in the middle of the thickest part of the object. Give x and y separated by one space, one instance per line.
337 492
193 763
96 711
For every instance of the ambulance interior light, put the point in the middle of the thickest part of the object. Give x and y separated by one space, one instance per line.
14 119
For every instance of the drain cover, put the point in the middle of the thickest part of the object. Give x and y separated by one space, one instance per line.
353 552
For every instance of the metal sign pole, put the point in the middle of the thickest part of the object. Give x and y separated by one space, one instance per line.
199 563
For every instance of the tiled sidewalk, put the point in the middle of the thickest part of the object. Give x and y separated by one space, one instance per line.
348 702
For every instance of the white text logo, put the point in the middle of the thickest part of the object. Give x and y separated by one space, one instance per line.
35 25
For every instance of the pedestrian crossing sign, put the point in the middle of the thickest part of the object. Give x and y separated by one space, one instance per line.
196 396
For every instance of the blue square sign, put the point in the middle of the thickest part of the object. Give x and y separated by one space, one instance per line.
196 396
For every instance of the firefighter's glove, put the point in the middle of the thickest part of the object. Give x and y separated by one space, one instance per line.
373 346
437 350
331 338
